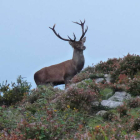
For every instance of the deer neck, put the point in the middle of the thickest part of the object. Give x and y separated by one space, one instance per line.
78 59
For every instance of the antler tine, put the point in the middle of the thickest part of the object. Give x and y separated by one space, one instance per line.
76 23
79 23
74 36
57 34
82 25
82 22
84 33
70 38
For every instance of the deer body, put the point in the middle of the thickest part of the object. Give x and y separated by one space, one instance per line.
63 72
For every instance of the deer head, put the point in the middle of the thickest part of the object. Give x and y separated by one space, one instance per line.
79 45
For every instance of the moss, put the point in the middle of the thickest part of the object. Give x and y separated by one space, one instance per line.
106 93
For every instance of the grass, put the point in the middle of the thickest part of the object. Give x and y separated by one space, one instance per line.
50 113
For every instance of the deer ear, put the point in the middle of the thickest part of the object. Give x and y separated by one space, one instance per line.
84 40
70 43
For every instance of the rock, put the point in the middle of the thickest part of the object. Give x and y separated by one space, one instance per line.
111 104
120 96
106 75
95 104
74 85
101 113
98 80
116 100
107 78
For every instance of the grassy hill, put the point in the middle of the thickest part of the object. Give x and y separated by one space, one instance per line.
48 113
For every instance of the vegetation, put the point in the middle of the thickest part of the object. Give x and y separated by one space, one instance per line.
48 113
14 93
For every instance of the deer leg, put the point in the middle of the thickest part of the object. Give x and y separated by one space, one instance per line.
67 81
46 84
50 84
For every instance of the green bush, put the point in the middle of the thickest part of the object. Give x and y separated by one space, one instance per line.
106 93
15 92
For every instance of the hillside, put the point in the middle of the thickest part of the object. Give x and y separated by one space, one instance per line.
101 103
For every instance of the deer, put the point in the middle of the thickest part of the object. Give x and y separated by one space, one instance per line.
63 72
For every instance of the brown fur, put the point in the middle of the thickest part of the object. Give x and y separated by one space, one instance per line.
55 74
62 73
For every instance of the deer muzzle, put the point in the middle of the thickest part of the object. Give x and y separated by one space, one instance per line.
84 48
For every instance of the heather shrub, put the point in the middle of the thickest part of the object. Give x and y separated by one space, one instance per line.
79 77
136 125
108 66
89 69
3 119
32 108
109 115
117 87
95 121
129 65
96 75
134 86
135 102
89 84
86 75
78 98
123 109
110 131
85 83
15 92
48 113
123 79
43 92
8 118
47 123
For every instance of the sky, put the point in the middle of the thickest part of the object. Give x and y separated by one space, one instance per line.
27 44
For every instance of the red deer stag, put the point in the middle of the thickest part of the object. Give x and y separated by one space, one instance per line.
62 73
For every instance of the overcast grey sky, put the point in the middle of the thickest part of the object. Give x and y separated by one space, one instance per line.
27 44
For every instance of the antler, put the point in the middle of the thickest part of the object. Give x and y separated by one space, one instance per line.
73 40
82 25
57 34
